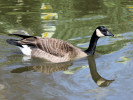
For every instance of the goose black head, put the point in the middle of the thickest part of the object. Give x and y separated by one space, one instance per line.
102 31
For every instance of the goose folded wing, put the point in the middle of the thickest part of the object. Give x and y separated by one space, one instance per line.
52 46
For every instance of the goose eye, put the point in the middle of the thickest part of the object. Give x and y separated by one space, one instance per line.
104 30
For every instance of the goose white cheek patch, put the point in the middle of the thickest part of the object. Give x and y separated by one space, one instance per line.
98 33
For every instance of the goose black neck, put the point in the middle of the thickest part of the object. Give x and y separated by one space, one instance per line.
93 43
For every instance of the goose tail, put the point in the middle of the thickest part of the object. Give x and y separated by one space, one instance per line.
21 35
13 42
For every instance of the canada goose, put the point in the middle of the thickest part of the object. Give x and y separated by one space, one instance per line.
56 50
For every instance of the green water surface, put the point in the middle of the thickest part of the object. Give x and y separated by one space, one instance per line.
107 76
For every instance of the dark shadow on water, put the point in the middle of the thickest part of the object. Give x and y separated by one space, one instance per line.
49 68
46 68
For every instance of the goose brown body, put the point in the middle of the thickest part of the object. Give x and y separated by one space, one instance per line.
54 50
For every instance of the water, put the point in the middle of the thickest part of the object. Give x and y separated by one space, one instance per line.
108 76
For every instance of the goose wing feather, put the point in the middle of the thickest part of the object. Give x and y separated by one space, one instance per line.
52 46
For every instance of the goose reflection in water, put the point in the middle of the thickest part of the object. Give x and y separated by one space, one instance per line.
100 81
49 68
